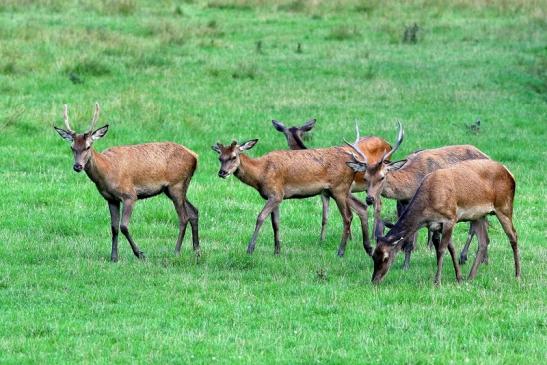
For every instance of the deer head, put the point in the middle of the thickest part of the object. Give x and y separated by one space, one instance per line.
81 143
383 256
375 174
229 156
294 135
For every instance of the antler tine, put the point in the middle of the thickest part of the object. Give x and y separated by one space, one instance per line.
65 116
355 146
400 137
95 117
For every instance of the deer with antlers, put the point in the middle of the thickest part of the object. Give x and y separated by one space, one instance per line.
467 191
373 147
294 174
126 174
399 180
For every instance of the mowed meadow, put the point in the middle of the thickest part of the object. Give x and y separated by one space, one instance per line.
198 72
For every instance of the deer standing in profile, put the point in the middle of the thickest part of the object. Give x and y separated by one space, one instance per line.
467 191
126 174
373 147
399 180
293 174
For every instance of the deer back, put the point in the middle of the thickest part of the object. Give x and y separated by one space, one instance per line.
143 169
404 182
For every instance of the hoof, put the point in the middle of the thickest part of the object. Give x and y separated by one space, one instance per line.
250 250
340 253
141 255
368 250
406 267
463 260
114 259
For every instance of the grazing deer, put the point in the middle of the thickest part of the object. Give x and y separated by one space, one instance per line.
399 180
293 174
126 174
373 147
466 191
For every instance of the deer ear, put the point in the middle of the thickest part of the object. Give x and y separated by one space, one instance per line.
216 147
66 135
356 166
99 133
248 145
308 125
278 125
396 165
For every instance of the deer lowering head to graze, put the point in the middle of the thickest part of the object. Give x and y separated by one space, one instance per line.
373 147
399 180
467 191
126 174
293 174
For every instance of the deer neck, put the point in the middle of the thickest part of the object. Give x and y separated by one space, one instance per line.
96 167
249 171
401 185
411 219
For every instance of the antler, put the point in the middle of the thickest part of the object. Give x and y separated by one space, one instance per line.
95 117
355 147
400 136
65 116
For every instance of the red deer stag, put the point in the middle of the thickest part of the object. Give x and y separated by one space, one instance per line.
399 180
126 174
290 174
373 147
467 191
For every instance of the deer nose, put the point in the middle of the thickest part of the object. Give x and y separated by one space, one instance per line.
222 174
369 200
77 167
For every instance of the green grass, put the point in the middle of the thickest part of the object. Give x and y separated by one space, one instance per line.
190 72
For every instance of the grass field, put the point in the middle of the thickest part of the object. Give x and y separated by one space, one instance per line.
198 72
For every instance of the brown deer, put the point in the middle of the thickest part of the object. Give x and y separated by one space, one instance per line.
399 180
466 191
126 174
373 147
293 174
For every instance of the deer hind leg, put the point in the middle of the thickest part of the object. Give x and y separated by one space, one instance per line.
362 212
441 248
408 247
325 215
193 215
177 194
272 203
114 207
275 227
507 224
342 199
457 269
472 232
124 227
480 228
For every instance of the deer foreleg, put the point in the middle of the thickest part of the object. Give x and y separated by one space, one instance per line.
114 207
126 216
362 212
378 222
267 210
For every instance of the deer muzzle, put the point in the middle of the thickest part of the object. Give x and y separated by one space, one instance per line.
77 167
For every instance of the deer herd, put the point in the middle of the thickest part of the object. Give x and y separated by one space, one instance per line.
433 188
